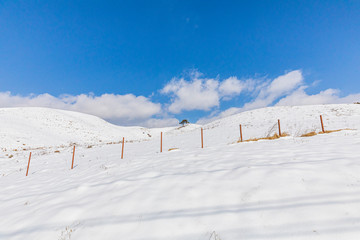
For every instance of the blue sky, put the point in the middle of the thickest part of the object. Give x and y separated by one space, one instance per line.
152 63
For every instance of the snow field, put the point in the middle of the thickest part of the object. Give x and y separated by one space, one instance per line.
289 188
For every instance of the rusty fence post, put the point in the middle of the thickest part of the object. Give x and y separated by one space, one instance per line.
202 138
161 140
122 149
72 164
241 137
27 171
279 127
322 124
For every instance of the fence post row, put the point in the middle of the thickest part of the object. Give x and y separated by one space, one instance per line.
27 171
161 142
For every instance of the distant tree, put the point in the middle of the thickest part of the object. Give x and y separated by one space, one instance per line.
183 122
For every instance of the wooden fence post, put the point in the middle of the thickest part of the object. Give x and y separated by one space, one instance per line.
322 124
161 141
27 171
72 164
122 150
279 127
202 138
241 138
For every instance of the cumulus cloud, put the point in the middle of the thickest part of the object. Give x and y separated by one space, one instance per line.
125 109
186 94
199 94
329 96
233 86
273 90
202 93
285 90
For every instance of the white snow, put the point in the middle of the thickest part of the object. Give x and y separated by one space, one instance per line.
289 188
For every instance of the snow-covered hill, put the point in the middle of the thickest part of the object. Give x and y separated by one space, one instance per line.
44 127
29 128
290 188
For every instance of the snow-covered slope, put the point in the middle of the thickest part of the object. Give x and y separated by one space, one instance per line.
294 121
289 188
44 127
29 128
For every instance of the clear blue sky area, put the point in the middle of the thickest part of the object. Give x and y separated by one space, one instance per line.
122 47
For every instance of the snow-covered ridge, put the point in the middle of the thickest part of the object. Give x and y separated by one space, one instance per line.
295 121
44 127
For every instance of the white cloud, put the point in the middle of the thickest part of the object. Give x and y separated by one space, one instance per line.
288 89
279 87
285 83
329 96
233 86
198 94
124 109
111 106
202 93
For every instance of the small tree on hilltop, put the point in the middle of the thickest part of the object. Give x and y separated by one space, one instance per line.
184 122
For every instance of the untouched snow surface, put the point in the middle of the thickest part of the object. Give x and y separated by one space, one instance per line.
290 188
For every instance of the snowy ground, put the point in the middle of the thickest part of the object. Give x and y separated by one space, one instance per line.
289 188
